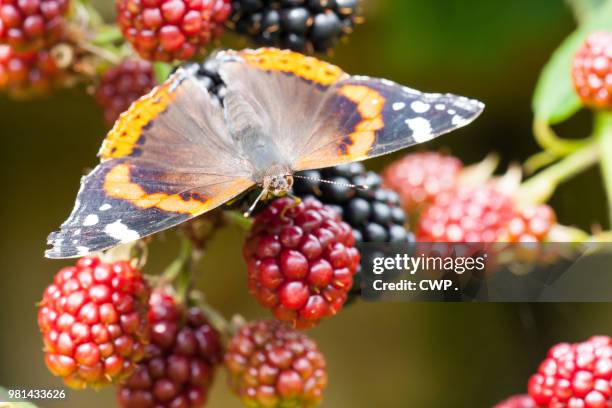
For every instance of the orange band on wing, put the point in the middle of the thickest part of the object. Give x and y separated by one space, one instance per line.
370 104
123 137
118 184
309 68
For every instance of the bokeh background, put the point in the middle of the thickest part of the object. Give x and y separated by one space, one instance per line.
379 355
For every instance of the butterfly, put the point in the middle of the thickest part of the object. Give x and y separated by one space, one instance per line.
176 153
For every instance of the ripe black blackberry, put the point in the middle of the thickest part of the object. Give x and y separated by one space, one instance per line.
374 213
300 25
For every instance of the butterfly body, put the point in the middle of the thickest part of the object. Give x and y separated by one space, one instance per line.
175 154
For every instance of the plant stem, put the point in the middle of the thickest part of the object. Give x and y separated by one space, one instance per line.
238 219
603 132
539 188
180 271
551 142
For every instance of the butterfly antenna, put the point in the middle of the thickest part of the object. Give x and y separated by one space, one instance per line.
357 186
248 212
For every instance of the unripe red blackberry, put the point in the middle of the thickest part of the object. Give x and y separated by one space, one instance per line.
517 401
179 363
575 375
122 85
301 260
93 322
272 366
466 214
167 30
300 25
592 70
530 224
27 74
420 177
30 25
374 213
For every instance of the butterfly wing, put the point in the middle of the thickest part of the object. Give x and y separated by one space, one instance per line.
319 116
365 117
169 158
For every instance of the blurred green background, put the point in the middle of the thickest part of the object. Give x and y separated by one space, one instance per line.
379 355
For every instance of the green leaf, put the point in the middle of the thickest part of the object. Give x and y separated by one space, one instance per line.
554 99
162 71
4 397
584 9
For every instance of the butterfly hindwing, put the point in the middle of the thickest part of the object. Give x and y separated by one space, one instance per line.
367 117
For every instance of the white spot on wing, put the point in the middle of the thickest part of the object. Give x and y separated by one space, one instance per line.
91 219
77 232
121 232
82 250
105 207
387 82
440 106
420 107
451 111
459 120
421 129
398 106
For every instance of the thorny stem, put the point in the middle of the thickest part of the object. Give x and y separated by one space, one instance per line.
540 187
551 142
603 133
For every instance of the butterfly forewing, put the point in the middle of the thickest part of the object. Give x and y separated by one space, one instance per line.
171 161
366 117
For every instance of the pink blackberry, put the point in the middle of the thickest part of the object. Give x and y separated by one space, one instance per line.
271 366
92 318
575 376
419 178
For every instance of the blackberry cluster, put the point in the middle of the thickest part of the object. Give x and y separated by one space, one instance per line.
300 25
179 362
374 213
27 74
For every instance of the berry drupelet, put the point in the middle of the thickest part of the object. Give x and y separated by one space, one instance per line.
592 69
179 362
575 375
123 84
300 25
373 213
30 25
168 30
301 260
272 366
93 322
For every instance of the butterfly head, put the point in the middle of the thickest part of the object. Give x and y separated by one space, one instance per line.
278 184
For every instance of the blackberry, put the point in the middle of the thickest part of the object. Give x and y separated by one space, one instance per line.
171 30
301 261
123 84
300 25
374 214
93 321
